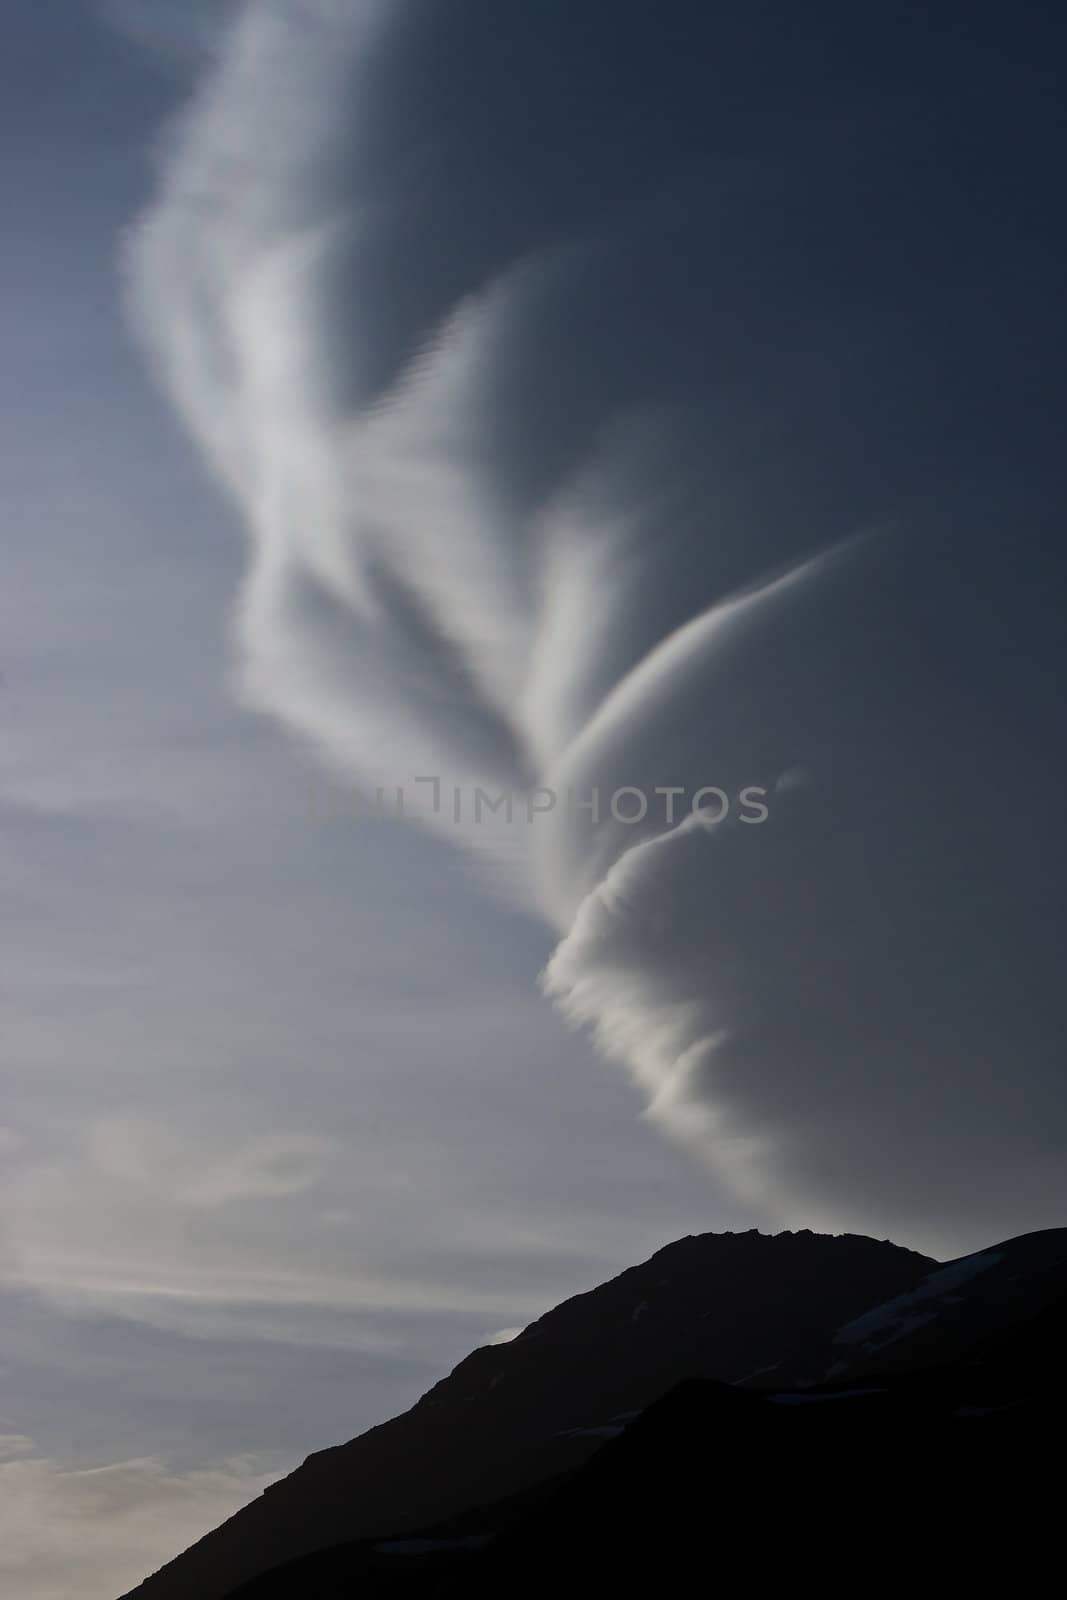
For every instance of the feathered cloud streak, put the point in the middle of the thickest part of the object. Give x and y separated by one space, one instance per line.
621 397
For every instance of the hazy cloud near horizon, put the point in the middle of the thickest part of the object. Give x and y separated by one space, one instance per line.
107 1526
631 400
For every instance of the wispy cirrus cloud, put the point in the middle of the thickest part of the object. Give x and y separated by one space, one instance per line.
562 426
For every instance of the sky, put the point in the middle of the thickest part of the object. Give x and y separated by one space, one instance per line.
591 405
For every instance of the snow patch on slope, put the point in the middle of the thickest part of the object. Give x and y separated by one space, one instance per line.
889 1322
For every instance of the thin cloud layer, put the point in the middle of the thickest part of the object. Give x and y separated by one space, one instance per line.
662 401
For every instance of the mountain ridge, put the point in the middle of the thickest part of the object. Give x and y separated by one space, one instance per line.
512 1415
779 1321
929 1458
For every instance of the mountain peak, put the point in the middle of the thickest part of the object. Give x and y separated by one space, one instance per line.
727 1306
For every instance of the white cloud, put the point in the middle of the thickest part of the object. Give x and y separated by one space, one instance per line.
555 476
208 1171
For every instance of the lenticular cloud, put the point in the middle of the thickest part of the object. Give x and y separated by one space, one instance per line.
612 426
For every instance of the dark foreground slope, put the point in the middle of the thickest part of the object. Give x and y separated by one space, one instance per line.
739 1308
937 1460
948 1477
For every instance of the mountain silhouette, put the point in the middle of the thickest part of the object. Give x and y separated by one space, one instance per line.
748 1376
